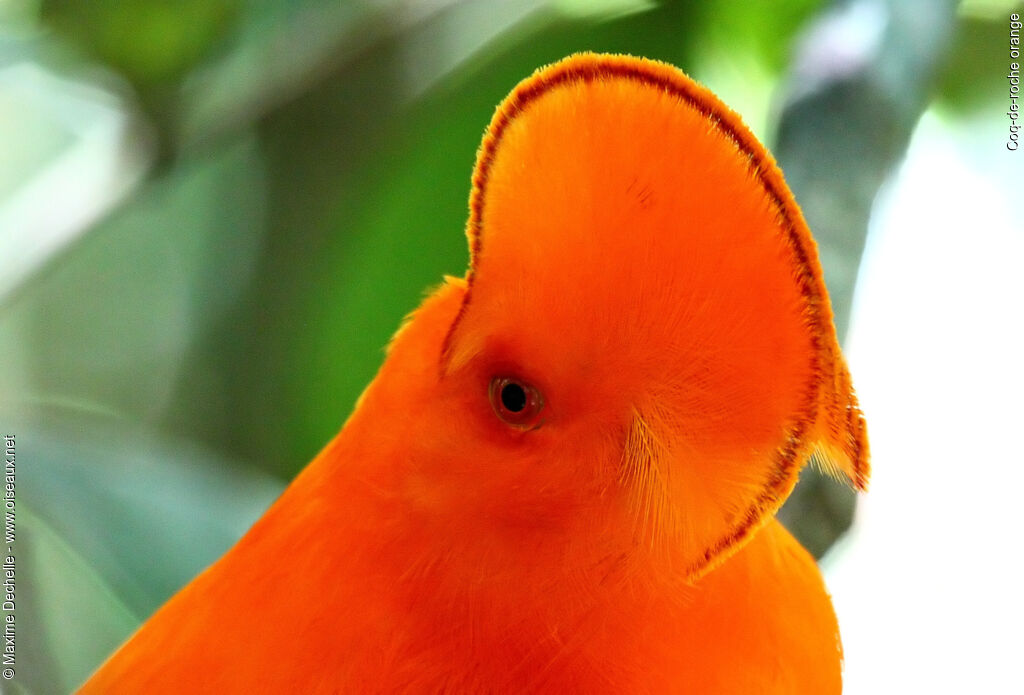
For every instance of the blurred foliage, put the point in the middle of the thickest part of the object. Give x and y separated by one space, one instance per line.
979 47
148 42
182 356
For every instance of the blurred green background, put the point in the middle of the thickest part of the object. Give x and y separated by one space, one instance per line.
214 213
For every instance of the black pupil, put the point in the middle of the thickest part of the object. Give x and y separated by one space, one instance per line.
513 397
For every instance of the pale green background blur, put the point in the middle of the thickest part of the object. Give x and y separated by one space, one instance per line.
214 213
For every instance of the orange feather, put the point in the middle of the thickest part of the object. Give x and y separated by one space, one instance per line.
563 479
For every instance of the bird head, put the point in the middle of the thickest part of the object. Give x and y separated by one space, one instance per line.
641 357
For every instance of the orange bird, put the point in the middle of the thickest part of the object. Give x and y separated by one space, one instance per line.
564 476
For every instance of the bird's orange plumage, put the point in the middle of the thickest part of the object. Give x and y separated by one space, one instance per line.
639 265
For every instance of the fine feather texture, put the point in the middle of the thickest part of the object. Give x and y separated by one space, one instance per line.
638 260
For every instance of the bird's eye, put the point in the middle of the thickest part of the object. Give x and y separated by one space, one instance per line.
515 401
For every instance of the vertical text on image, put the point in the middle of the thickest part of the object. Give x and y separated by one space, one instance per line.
1013 141
7 570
